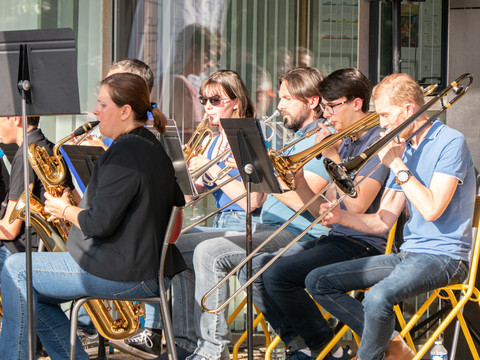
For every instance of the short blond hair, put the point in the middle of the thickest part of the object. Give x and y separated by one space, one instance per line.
400 89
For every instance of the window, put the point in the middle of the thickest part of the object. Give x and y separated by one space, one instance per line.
184 42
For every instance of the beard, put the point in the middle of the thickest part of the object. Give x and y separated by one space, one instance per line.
295 122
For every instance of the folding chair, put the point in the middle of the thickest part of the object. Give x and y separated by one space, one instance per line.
171 236
259 319
467 291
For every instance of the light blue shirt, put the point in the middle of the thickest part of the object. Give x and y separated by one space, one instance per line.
443 150
274 212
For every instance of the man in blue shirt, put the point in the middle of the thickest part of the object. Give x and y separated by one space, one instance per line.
279 292
433 175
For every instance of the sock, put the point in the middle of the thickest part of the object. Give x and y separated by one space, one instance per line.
156 331
338 353
306 351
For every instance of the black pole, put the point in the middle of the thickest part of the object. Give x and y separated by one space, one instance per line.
396 36
248 248
24 87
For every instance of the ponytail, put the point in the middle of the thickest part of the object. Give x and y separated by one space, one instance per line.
159 120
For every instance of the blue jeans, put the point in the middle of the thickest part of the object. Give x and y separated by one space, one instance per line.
233 220
393 278
280 291
56 278
212 260
4 254
227 223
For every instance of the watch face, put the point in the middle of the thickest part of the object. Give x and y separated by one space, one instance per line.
402 176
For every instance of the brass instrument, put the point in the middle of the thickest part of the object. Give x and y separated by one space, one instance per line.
52 172
268 122
288 166
201 133
340 176
343 174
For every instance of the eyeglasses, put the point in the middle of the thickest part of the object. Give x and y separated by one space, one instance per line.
331 108
214 100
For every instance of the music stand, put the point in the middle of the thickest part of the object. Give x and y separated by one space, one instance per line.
248 147
40 69
81 160
172 144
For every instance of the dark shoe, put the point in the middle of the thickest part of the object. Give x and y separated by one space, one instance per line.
399 350
345 355
182 354
89 341
145 345
298 355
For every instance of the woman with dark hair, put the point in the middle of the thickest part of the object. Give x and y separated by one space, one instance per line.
117 232
224 95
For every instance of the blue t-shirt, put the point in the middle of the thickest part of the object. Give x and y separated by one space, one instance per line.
220 197
274 212
443 150
347 151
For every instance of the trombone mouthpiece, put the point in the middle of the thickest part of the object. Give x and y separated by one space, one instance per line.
328 122
275 114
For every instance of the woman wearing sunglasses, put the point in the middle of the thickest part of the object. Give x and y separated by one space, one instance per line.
224 95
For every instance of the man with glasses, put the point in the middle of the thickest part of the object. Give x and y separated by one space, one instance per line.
279 292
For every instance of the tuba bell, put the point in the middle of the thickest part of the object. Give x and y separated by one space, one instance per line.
52 171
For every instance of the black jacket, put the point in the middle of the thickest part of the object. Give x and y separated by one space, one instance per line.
127 207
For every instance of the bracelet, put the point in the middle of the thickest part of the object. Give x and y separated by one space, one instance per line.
63 212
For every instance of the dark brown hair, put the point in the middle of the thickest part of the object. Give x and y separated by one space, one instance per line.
131 89
234 87
303 83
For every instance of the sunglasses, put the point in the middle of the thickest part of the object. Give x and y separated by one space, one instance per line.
214 100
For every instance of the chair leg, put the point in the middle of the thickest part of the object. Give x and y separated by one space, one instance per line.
273 345
338 336
167 325
73 326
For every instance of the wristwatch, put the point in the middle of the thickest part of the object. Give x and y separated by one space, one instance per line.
402 176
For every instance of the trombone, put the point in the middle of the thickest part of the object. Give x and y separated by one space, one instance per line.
288 166
201 171
225 171
202 132
340 176
344 173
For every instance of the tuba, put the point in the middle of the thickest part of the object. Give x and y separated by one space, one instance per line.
52 172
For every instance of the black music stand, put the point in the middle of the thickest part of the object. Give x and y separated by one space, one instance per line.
256 169
172 144
40 70
81 160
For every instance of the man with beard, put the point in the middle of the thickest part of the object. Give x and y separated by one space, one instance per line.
279 292
211 255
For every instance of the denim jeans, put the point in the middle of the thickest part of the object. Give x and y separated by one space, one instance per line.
270 310
212 260
4 254
228 223
280 291
393 278
56 278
